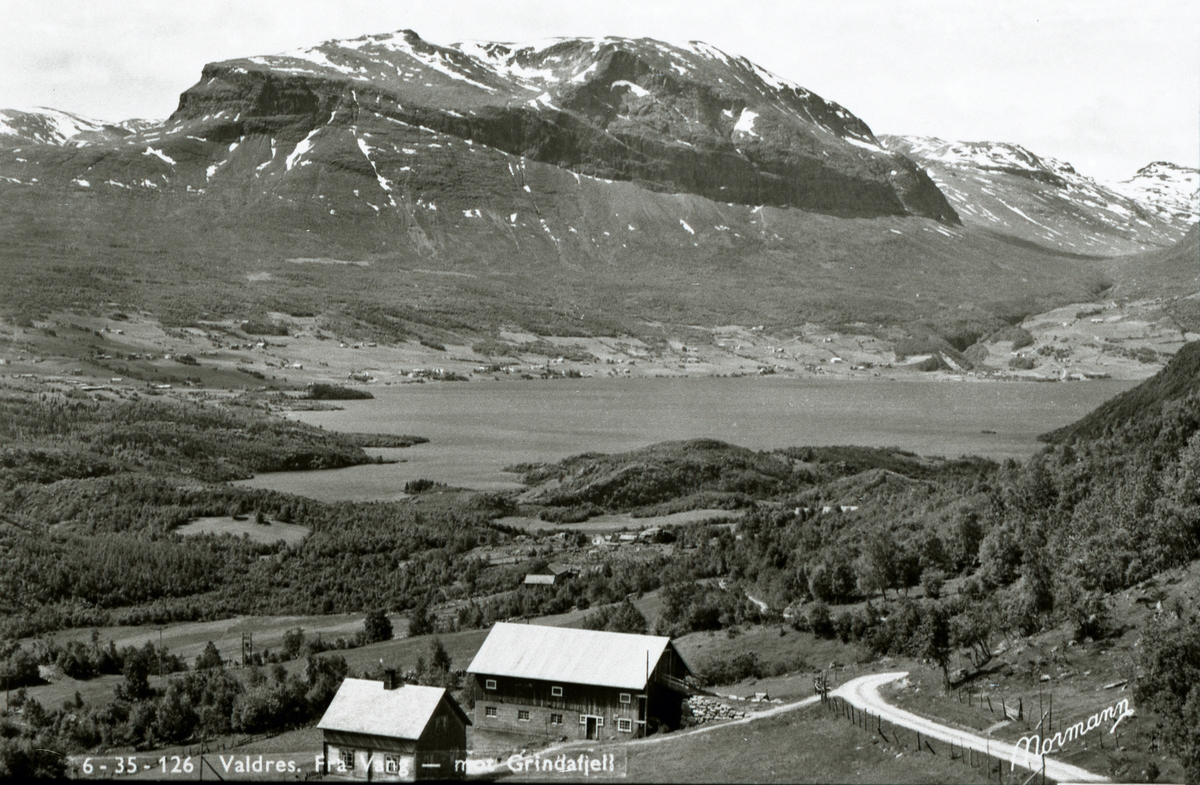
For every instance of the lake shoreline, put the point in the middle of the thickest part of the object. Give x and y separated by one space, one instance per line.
477 430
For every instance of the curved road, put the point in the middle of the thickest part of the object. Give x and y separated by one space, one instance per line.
863 693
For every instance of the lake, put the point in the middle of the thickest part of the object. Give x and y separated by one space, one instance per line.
478 428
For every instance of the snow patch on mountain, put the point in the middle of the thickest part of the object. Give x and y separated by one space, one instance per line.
160 155
636 89
745 123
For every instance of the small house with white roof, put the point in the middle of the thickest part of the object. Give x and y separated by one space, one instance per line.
585 684
393 731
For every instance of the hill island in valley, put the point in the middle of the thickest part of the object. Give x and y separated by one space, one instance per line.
184 298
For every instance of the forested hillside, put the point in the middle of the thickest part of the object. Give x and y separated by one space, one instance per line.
902 555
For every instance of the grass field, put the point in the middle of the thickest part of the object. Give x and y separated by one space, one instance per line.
266 533
188 639
805 746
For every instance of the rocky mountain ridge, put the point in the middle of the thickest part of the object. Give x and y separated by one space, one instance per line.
1167 187
43 125
1007 188
670 118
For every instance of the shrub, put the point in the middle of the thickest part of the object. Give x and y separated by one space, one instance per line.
264 327
209 658
820 620
618 618
732 669
336 392
376 627
932 580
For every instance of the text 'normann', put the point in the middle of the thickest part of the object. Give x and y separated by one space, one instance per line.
1036 745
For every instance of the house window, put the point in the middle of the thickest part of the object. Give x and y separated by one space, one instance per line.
556 692
556 719
624 697
391 764
346 757
490 684
523 715
490 711
625 726
439 726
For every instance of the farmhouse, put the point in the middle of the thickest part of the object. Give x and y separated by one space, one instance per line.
586 684
393 731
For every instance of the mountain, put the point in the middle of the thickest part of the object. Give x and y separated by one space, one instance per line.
677 119
1009 189
1170 189
400 189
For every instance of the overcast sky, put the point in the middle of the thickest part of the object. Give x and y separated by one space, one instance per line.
1108 86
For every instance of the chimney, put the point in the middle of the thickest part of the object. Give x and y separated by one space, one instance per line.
390 681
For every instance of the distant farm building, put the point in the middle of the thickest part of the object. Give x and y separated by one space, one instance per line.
585 684
552 575
394 732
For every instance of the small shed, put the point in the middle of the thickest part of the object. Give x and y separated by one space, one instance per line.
394 732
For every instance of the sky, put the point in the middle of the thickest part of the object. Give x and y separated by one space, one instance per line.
1106 86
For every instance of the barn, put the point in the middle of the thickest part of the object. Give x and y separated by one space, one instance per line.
394 731
586 684
552 575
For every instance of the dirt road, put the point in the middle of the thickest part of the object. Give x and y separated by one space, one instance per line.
863 693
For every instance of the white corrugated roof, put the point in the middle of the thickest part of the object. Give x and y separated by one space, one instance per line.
564 654
364 706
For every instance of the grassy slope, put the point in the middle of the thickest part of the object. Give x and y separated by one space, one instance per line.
807 746
185 256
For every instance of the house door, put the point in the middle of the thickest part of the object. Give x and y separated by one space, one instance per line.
592 732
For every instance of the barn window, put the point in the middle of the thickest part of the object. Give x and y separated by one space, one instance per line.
391 764
625 726
556 692
490 711
556 719
599 722
583 719
439 726
490 684
624 697
346 757
523 715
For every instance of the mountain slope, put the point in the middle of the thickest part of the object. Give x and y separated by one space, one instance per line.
1008 189
1140 410
396 188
